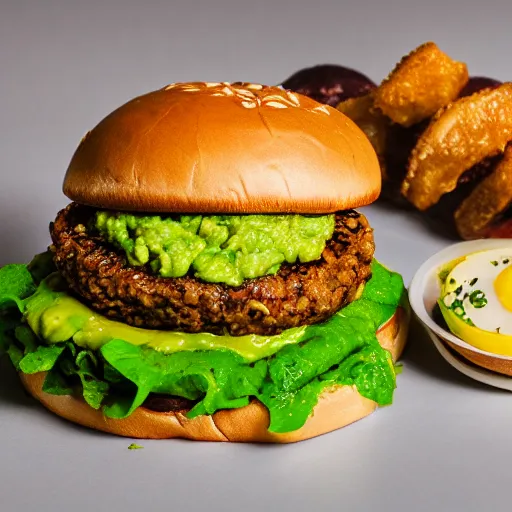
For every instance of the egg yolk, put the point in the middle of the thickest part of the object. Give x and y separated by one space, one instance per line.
503 288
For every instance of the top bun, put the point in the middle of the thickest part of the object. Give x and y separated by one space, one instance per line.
224 148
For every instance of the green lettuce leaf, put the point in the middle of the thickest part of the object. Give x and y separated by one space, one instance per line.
343 351
42 359
221 379
41 266
120 376
385 286
290 410
56 383
87 367
8 322
16 283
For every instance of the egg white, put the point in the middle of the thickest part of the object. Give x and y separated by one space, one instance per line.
485 267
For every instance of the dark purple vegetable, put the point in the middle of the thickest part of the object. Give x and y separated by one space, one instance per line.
477 83
329 83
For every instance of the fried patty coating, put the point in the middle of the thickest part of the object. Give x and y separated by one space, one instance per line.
299 294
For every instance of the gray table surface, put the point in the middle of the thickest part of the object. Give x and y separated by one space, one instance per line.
444 445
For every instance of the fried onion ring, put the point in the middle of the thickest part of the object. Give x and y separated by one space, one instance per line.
458 137
421 83
482 209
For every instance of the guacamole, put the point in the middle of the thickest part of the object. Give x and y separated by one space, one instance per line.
219 248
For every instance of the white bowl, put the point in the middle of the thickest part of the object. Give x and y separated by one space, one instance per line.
469 369
425 290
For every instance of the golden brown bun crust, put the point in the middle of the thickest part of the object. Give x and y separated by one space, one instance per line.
336 408
221 148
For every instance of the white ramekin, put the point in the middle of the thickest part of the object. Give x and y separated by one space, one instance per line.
424 292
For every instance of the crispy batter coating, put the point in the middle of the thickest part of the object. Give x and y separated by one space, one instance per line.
501 227
483 207
458 137
372 122
442 214
421 83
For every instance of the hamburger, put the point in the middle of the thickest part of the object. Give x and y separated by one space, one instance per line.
211 278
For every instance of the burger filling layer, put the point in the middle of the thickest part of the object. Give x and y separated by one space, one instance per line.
42 331
296 295
217 249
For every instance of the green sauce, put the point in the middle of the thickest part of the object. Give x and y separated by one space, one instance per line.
56 316
219 249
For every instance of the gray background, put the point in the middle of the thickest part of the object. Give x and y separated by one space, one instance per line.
446 442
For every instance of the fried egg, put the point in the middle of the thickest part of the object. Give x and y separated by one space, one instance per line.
479 290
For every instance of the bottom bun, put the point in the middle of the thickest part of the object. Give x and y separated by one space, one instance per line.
337 407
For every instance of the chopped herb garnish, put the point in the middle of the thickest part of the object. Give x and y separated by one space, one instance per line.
458 290
457 307
505 262
473 281
134 446
477 299
498 329
494 262
452 280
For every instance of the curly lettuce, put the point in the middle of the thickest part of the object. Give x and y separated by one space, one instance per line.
119 376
